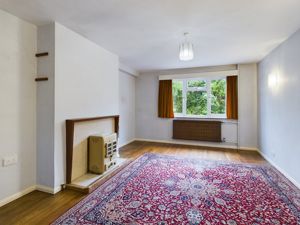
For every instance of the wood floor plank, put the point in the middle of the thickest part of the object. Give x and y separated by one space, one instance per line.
38 208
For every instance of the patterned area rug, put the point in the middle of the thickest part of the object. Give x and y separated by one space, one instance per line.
160 189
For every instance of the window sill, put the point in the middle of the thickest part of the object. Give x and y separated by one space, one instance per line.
224 120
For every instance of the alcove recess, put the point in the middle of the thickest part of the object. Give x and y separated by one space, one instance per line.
77 132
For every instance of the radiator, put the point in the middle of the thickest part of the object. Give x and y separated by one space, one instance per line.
198 130
102 153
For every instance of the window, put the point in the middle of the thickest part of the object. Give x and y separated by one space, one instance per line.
202 97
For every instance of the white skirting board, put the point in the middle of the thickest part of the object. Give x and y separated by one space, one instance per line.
248 149
280 170
27 191
48 189
17 195
126 143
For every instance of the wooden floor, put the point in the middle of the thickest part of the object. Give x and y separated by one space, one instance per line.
41 208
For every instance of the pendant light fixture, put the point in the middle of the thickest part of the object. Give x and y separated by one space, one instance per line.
186 52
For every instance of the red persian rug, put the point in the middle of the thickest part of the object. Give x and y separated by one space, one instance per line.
160 189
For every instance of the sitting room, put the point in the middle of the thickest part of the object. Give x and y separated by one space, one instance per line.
149 112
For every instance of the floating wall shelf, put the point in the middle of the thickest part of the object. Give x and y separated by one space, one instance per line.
41 79
41 54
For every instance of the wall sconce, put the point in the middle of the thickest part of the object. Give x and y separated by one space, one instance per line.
273 80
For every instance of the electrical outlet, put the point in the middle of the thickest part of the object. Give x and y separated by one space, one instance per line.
10 160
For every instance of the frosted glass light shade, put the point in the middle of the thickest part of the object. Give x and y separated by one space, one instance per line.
186 51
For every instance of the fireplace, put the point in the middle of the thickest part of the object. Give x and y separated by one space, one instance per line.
91 143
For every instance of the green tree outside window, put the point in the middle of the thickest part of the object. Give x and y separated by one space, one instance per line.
197 98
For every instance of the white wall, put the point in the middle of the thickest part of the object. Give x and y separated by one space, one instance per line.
279 107
86 85
149 126
127 108
248 106
17 100
45 107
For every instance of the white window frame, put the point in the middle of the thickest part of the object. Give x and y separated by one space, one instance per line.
207 88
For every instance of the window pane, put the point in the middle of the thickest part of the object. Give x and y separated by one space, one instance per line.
218 96
196 83
196 103
177 96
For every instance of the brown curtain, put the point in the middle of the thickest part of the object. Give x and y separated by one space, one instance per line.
232 97
165 99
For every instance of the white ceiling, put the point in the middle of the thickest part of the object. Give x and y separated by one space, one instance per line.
146 33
